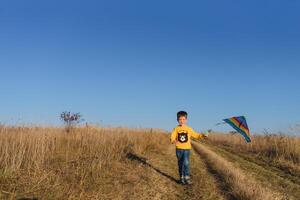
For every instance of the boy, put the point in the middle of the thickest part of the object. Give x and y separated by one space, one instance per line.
181 136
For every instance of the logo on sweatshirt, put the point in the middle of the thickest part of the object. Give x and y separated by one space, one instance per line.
182 137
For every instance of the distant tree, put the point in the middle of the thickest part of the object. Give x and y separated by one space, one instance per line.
70 119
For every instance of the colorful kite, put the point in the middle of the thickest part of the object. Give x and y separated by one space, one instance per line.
240 125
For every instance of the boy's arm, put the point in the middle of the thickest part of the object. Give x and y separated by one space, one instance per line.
197 135
173 136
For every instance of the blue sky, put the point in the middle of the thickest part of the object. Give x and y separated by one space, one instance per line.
136 63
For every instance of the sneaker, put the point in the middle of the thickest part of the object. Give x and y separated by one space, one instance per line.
188 181
182 181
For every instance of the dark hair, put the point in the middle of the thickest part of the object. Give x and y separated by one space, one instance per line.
181 114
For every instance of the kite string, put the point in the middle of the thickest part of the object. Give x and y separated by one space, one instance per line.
221 123
218 124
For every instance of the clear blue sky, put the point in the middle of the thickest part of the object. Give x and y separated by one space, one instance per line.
136 63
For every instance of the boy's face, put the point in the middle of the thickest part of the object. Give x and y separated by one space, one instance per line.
182 120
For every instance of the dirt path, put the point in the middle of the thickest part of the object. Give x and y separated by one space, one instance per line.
162 173
283 171
237 181
267 175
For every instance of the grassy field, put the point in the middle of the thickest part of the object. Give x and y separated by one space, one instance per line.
278 150
121 163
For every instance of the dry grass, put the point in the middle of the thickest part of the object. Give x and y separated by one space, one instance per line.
283 149
95 163
242 186
52 164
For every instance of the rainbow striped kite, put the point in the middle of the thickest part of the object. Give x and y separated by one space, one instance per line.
240 125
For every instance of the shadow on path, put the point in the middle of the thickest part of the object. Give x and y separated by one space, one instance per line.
143 161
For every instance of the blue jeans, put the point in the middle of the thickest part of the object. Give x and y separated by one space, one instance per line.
183 157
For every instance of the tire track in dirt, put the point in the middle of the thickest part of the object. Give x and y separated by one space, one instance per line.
222 188
164 173
268 177
204 185
240 185
283 172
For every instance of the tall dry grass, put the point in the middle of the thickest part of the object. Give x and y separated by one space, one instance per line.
279 148
34 160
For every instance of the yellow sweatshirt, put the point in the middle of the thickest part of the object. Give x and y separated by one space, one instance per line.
183 136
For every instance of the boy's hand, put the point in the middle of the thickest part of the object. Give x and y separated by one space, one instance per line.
175 142
206 133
